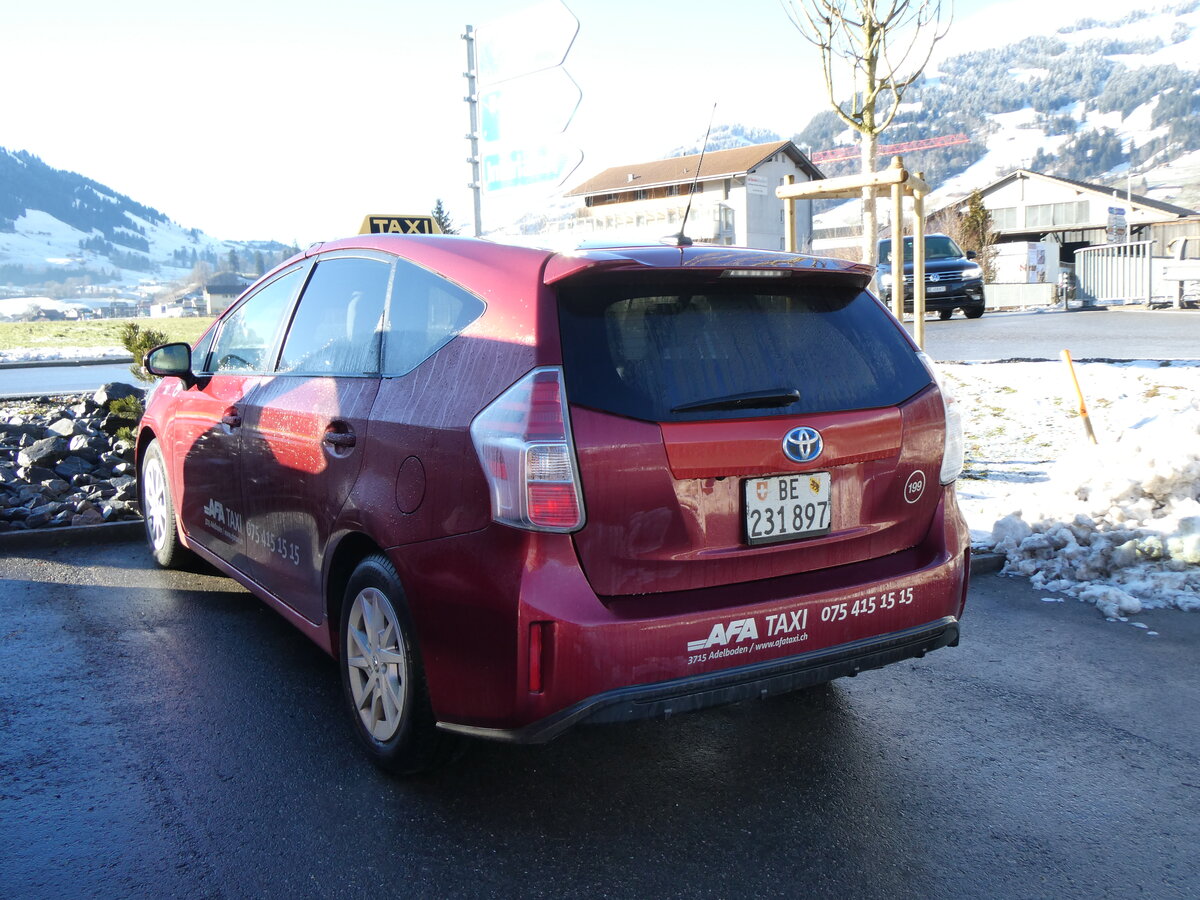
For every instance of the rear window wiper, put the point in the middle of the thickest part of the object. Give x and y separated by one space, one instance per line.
747 400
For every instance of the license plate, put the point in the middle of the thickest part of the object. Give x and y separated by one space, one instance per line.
935 289
786 507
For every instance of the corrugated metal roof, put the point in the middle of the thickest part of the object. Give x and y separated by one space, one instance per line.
1168 208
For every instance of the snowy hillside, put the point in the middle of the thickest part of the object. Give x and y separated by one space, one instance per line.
56 226
1112 102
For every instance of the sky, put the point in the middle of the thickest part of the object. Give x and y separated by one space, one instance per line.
291 120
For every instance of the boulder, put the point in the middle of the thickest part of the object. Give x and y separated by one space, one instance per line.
65 428
115 391
72 466
46 452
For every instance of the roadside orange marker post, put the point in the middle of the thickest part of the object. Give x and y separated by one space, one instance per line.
1083 413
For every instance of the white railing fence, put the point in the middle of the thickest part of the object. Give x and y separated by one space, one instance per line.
1114 274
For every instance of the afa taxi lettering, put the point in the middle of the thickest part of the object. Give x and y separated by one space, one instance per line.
399 224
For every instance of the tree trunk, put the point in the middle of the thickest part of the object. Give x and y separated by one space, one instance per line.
869 147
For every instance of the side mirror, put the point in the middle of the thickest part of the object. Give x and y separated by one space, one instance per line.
971 254
171 360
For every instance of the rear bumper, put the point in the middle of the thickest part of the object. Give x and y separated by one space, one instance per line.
760 680
620 658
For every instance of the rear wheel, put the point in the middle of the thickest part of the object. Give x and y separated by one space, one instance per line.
382 677
158 511
973 312
944 314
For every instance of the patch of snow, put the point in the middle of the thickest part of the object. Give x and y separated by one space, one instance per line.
1138 123
43 354
1024 76
1176 182
1097 120
1117 524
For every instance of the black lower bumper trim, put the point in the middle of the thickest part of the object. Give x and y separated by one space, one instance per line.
765 679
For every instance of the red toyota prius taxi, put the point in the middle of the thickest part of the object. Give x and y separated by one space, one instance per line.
511 491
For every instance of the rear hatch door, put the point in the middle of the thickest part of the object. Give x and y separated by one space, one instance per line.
688 389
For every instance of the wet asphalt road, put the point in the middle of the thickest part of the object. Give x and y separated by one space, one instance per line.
25 381
164 734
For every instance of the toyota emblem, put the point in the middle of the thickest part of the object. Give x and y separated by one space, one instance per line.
802 444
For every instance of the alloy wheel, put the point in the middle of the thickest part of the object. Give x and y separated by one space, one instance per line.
154 499
377 663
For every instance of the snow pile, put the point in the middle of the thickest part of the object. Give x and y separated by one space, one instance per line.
1135 543
1116 524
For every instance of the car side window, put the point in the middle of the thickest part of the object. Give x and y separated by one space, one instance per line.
248 333
200 351
427 311
339 319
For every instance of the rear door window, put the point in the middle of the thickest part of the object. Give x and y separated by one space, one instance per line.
338 323
426 312
671 352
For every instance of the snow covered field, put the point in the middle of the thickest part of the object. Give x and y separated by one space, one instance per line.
1116 524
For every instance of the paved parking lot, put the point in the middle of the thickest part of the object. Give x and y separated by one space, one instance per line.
164 733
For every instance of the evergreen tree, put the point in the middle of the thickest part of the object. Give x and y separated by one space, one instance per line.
443 218
976 232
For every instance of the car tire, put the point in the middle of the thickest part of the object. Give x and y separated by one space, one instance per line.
158 511
944 314
383 680
973 312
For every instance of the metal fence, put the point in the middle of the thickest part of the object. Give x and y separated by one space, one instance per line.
1114 273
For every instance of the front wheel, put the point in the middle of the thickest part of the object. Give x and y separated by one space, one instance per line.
382 677
973 312
158 510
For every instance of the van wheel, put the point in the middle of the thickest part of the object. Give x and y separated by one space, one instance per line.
158 511
382 677
944 314
973 312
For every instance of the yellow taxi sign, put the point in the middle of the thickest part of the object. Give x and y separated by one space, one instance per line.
400 224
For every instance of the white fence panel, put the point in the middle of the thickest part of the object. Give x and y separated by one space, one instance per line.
1115 273
1019 296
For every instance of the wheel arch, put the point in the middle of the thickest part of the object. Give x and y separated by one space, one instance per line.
145 435
352 549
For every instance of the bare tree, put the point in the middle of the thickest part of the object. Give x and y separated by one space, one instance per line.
871 51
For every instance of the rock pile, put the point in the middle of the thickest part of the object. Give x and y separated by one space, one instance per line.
61 462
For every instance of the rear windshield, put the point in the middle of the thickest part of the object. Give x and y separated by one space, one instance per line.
732 350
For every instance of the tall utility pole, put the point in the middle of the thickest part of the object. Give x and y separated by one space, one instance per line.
472 98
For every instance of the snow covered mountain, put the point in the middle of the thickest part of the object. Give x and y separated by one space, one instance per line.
58 227
1115 102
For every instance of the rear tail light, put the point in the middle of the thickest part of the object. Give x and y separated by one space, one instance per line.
952 453
523 439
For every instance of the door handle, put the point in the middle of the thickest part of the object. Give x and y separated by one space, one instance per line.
343 440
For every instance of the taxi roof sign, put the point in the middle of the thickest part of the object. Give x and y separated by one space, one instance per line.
399 224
